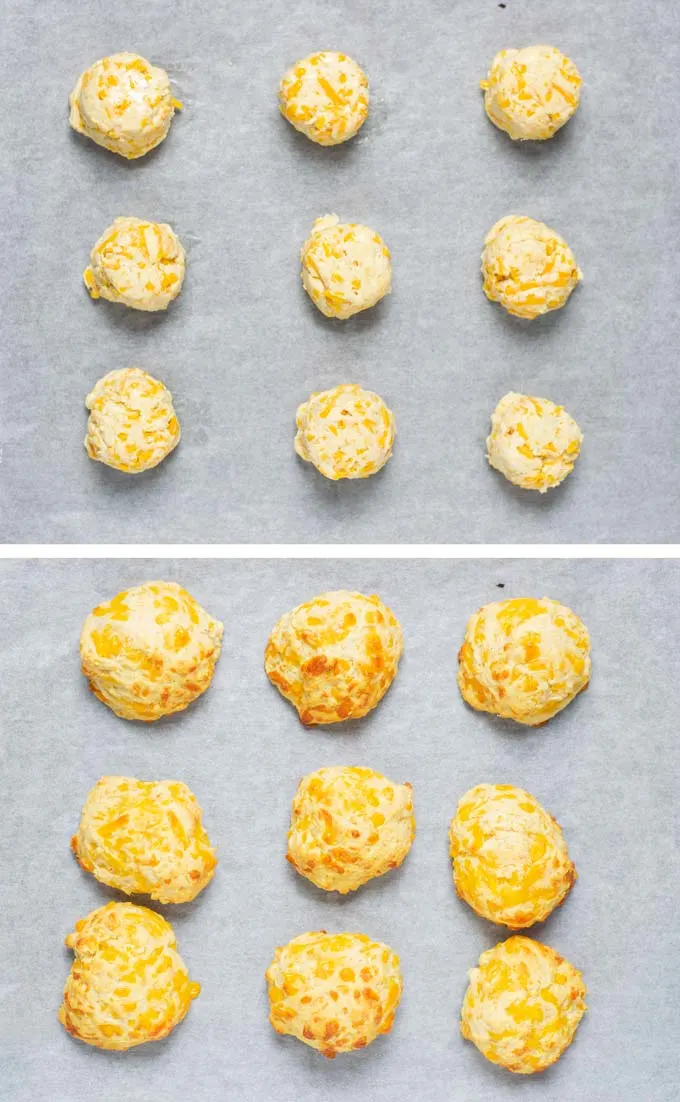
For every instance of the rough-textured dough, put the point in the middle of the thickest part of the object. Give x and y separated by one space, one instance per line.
128 984
150 651
346 267
523 1005
335 657
334 992
132 424
510 859
527 267
139 264
123 103
533 442
523 659
346 432
145 837
531 93
349 825
325 97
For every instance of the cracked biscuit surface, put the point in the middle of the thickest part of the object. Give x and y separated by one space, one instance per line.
334 657
150 651
510 859
334 992
527 267
533 442
346 432
346 267
325 97
531 93
132 424
523 1005
128 984
349 825
145 837
523 659
136 263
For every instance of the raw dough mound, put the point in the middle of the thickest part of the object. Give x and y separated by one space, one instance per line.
150 651
132 424
145 837
345 267
139 264
523 1005
533 442
346 432
334 992
325 97
510 859
531 93
348 825
335 657
527 267
523 659
123 103
128 984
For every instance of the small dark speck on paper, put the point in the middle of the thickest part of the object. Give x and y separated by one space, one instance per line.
500 585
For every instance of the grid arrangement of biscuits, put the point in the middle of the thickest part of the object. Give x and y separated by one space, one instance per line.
126 104
151 651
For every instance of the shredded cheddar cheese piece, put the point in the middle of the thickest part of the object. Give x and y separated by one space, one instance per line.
533 442
531 93
132 424
334 992
347 432
527 267
139 264
346 267
325 97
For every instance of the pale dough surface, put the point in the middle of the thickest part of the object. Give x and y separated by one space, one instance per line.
532 92
325 97
533 442
124 104
346 432
150 651
139 264
334 657
523 659
132 424
348 825
510 859
145 837
523 1005
346 267
128 984
334 992
527 267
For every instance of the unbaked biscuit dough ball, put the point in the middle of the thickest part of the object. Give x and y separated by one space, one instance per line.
510 859
531 93
533 442
523 1005
139 264
334 992
150 651
123 103
132 424
335 657
527 267
128 984
523 659
346 432
346 267
349 825
145 837
325 97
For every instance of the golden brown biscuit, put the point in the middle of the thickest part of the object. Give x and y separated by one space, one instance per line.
334 992
346 267
132 425
150 651
510 859
136 263
145 837
523 1005
527 267
334 657
532 92
346 432
523 659
325 97
128 984
349 825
